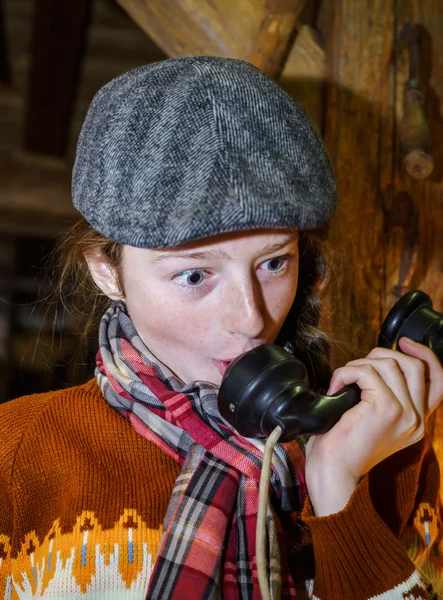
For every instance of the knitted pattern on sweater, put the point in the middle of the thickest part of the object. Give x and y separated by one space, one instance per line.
83 498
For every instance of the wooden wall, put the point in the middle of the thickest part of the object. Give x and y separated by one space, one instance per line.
389 224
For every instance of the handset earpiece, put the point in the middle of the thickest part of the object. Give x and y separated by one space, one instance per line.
413 316
268 387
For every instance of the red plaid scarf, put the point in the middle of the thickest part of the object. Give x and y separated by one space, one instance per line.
207 549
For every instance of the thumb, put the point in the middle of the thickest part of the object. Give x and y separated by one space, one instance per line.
410 347
417 350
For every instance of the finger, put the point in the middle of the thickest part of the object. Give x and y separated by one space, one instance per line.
395 386
365 375
433 369
413 371
387 368
421 352
374 391
408 364
404 359
394 412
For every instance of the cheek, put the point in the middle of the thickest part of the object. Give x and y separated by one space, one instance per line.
164 317
279 298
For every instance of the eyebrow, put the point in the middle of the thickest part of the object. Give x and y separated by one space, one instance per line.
217 254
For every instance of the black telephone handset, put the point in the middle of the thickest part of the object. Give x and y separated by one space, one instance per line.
267 386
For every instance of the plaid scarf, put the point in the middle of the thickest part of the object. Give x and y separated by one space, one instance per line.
207 549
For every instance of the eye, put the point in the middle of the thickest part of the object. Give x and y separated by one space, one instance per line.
277 264
192 278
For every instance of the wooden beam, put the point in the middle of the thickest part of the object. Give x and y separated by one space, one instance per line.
258 32
59 29
219 28
275 35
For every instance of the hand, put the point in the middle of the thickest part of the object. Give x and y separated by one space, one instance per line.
398 393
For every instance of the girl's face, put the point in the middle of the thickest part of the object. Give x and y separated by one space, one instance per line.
199 306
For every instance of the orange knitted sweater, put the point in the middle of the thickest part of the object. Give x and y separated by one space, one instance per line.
83 498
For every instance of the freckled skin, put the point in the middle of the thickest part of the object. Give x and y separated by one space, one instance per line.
220 307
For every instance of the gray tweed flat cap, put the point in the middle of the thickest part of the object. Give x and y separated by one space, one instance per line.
187 148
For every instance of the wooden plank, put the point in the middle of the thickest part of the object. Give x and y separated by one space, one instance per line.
59 29
258 31
358 131
304 73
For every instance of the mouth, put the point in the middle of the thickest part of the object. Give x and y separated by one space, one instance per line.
222 365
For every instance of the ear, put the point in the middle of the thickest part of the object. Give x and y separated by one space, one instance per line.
104 275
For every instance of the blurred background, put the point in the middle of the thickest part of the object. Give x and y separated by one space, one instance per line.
369 73
54 56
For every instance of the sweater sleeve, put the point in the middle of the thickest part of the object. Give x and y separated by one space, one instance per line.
5 535
387 543
7 455
15 417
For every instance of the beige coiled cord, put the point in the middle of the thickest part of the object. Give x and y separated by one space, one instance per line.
263 494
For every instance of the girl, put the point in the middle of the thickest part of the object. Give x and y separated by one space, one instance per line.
202 187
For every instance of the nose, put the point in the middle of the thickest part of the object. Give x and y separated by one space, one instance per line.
244 309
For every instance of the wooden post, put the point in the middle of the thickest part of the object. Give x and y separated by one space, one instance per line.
59 29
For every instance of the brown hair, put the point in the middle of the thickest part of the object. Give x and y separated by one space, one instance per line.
300 332
75 287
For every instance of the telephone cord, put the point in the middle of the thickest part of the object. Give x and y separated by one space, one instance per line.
263 494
